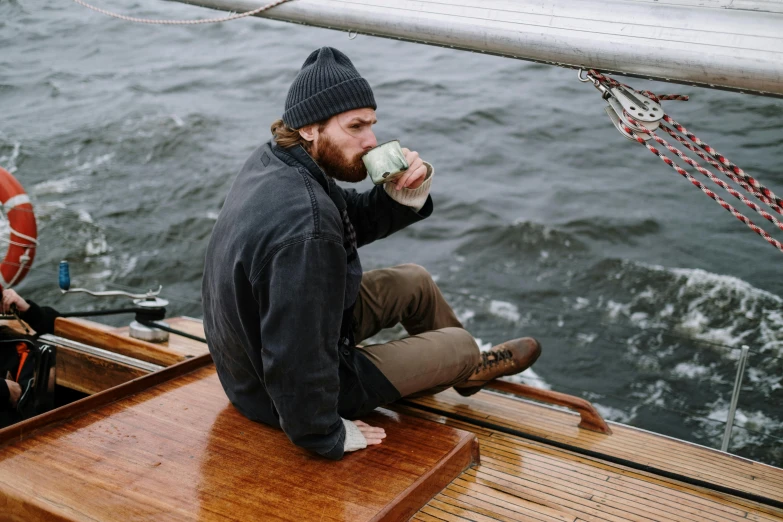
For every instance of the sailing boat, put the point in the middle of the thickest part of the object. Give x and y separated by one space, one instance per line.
157 439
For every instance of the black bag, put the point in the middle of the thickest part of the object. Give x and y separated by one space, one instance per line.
32 365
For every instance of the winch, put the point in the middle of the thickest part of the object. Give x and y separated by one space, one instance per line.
150 309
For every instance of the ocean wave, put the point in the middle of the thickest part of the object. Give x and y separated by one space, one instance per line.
64 185
521 239
752 428
9 153
699 305
601 229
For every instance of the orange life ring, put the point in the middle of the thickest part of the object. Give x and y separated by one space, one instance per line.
24 231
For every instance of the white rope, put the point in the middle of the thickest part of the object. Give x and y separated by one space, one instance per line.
9 242
25 258
31 239
181 22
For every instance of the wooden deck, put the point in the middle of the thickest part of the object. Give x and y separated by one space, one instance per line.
180 451
523 480
163 454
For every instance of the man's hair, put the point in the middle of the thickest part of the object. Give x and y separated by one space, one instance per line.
287 137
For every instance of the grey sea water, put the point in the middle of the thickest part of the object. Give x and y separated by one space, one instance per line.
547 222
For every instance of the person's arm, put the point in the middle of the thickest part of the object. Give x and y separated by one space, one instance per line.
300 291
40 318
416 196
388 208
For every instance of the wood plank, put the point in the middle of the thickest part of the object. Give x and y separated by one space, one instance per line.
180 345
462 513
575 500
528 458
424 517
86 332
91 374
659 447
644 447
645 480
666 498
737 478
601 490
179 450
409 501
21 430
442 515
520 514
490 500
497 436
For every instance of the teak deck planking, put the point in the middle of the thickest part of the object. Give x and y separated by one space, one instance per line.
180 451
524 480
626 442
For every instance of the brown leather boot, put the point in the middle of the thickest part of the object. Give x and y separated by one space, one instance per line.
504 359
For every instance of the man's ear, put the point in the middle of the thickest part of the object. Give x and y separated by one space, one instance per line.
308 132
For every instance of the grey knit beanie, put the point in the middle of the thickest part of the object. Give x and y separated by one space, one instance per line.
327 84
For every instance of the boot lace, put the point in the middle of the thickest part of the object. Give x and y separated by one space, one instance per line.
490 359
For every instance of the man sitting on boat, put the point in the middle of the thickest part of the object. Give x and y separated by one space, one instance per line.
285 298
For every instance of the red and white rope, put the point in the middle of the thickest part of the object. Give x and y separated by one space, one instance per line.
654 97
758 187
711 156
736 179
695 164
181 22
734 212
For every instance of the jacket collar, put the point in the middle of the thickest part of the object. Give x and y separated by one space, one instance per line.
301 156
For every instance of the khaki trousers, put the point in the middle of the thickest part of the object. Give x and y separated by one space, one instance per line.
439 352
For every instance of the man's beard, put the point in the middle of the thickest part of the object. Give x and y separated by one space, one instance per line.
334 163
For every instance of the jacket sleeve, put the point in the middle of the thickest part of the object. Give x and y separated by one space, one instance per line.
300 292
40 318
375 215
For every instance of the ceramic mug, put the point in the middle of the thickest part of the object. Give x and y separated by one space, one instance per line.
386 162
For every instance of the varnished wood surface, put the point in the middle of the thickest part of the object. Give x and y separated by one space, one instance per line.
523 480
85 332
109 379
21 430
179 451
517 479
182 346
590 419
91 374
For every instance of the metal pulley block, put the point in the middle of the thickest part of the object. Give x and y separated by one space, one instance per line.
625 105
615 112
637 106
618 125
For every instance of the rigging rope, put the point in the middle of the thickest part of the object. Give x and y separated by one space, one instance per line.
710 155
181 22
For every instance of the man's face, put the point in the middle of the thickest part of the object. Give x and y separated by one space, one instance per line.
339 146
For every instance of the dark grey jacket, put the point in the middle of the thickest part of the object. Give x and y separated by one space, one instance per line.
273 293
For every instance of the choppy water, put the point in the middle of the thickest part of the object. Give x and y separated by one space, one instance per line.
547 222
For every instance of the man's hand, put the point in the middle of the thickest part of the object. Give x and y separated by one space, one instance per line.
15 392
10 297
371 434
416 173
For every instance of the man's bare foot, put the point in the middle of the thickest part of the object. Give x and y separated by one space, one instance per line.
508 358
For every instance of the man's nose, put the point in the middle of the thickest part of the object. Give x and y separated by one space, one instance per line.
369 141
